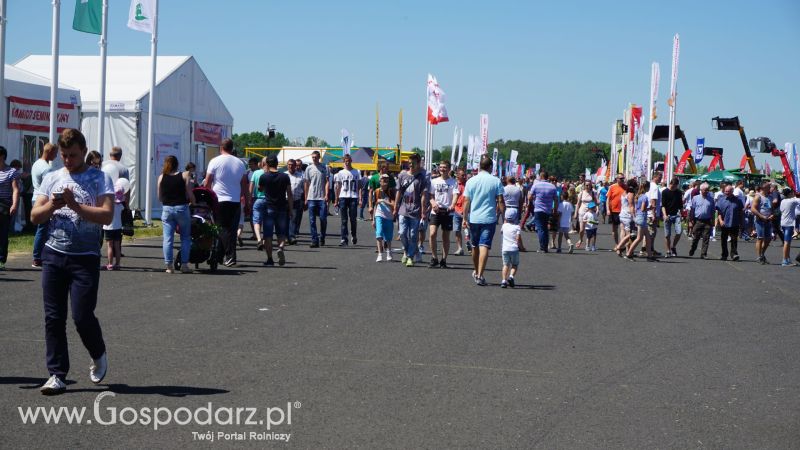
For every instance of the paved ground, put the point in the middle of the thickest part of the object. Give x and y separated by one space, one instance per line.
590 351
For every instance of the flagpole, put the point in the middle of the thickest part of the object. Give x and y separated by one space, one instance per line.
2 63
150 113
54 86
101 110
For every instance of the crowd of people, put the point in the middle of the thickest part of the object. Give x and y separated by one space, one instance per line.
79 205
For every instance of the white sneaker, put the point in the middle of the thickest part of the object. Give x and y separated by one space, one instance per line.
98 369
459 252
388 255
53 386
380 258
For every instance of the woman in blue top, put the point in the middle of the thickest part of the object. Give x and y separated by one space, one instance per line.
642 203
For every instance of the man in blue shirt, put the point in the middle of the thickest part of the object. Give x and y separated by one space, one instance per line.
543 194
603 194
731 215
483 194
701 218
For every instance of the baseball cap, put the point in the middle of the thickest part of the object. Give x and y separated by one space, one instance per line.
591 205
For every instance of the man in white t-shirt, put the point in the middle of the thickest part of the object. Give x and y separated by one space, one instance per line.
654 195
298 190
348 194
113 166
226 176
442 201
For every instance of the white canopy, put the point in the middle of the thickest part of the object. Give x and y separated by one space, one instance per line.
21 83
185 104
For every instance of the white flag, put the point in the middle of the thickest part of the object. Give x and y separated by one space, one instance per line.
484 133
346 142
142 16
453 160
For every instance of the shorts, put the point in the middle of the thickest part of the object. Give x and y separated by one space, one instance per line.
625 221
516 213
641 220
615 220
423 224
276 221
458 222
112 235
384 229
481 234
564 230
787 233
591 233
511 259
259 209
443 220
672 225
553 222
602 208
763 229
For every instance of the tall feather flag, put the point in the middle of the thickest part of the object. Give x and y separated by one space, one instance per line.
142 15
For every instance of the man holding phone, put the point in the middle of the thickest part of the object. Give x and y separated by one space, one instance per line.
75 202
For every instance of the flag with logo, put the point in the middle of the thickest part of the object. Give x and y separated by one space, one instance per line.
142 15
698 151
88 16
437 113
346 142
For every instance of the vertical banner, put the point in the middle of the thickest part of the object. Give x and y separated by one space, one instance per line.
676 50
791 153
495 156
166 145
614 153
698 151
460 145
346 142
453 160
470 152
655 78
538 168
484 133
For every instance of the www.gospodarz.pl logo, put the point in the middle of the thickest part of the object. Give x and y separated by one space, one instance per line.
155 417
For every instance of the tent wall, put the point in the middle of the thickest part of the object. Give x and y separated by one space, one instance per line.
121 131
166 126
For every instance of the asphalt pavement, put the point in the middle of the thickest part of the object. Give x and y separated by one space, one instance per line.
338 351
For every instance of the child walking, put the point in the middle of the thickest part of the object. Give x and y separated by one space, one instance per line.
590 226
512 239
383 220
565 210
113 231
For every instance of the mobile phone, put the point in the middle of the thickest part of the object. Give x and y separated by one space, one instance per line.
58 195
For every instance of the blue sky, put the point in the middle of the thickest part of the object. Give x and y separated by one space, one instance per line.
542 70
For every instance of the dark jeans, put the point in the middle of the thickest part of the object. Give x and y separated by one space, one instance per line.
76 277
39 240
317 209
702 230
733 233
27 201
540 218
5 228
347 210
297 218
228 223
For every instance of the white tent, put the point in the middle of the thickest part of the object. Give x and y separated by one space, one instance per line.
26 100
190 120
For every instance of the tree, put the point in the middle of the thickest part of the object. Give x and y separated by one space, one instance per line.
258 139
313 141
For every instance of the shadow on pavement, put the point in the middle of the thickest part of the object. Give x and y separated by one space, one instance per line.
167 391
14 279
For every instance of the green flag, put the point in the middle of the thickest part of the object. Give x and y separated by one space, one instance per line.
88 16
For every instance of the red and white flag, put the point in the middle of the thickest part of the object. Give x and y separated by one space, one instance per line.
437 113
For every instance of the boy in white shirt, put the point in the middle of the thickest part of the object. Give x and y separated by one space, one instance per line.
565 210
512 238
590 218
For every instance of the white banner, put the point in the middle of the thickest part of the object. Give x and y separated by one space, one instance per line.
34 115
484 133
494 161
453 160
460 145
165 145
142 15
676 53
346 142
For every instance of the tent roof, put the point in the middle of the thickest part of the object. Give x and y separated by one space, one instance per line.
127 77
22 83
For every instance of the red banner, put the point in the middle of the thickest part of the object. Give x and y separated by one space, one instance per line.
34 115
208 133
684 159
